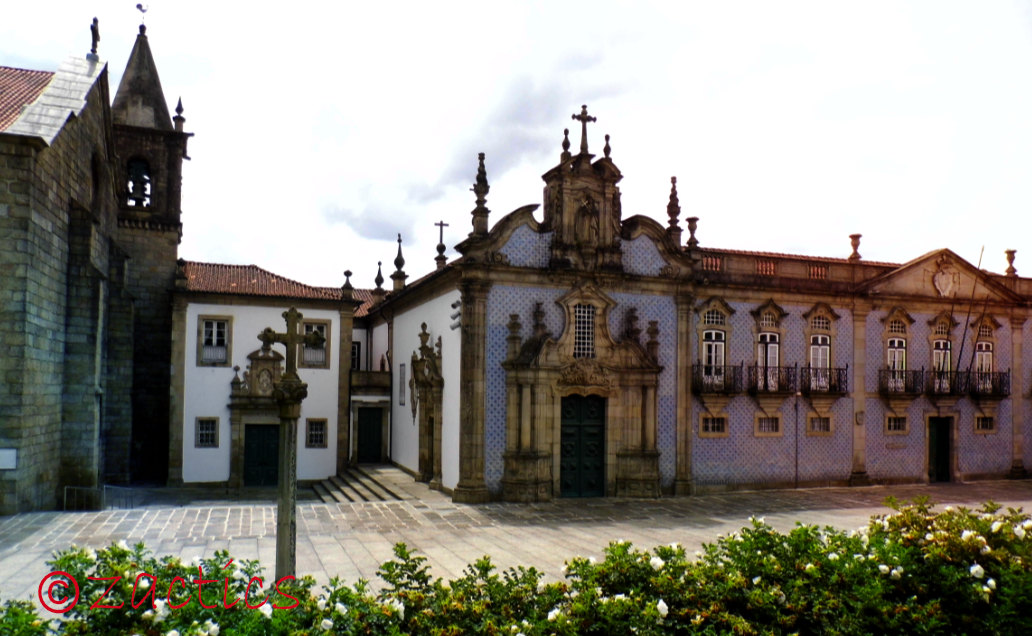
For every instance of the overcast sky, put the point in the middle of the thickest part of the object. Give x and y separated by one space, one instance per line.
325 129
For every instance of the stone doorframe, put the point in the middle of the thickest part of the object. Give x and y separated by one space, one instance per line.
251 402
541 371
428 384
382 403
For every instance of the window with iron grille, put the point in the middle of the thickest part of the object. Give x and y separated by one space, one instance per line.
714 317
942 329
207 432
314 356
985 423
315 435
714 425
769 320
711 263
985 331
820 424
896 425
768 425
821 322
214 348
356 356
766 268
583 331
818 271
897 326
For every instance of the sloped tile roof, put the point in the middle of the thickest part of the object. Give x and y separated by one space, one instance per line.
19 87
251 280
802 257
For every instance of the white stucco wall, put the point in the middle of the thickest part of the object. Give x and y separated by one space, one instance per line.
404 439
207 391
379 346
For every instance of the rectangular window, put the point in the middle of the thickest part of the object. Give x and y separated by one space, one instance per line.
985 424
316 357
820 425
714 425
207 432
214 340
896 425
401 384
713 360
356 356
768 426
584 331
315 433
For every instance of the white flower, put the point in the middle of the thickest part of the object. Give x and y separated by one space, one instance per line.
833 557
656 562
929 537
985 549
148 615
985 590
619 597
554 614
213 630
675 545
897 573
172 633
809 566
858 557
977 571
884 569
91 554
339 607
1019 532
1026 524
948 508
996 526
122 544
592 560
144 583
321 604
781 598
266 609
991 583
565 568
662 608
698 554
967 534
326 624
398 606
194 562
756 581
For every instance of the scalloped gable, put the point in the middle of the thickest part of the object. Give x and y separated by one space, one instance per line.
939 275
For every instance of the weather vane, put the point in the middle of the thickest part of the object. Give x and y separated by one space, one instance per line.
143 10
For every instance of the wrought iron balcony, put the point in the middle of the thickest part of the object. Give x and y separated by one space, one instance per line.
901 382
823 380
989 384
947 382
772 379
707 378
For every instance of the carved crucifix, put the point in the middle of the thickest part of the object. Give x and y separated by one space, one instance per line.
584 118
292 338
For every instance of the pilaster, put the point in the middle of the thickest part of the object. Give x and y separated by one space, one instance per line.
1017 397
859 385
472 377
177 394
683 480
347 313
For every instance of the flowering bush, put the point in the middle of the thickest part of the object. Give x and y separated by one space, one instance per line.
911 572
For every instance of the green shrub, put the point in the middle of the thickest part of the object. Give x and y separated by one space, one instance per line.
911 572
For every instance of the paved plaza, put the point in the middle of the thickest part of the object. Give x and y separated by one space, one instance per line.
352 539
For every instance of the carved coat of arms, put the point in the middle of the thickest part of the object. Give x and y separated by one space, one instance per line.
945 278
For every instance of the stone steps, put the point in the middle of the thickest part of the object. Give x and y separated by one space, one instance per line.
358 485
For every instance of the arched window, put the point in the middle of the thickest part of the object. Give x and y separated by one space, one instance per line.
139 183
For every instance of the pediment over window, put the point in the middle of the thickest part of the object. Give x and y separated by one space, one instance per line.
769 314
717 303
821 309
944 316
898 313
939 274
986 319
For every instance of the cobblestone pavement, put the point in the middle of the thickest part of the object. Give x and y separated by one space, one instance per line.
351 540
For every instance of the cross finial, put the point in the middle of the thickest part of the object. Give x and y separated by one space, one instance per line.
584 118
95 35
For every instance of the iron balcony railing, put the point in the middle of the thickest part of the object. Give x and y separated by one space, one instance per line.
823 380
901 382
989 383
708 378
772 379
947 382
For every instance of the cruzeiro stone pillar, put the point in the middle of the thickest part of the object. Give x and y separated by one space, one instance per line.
289 392
473 394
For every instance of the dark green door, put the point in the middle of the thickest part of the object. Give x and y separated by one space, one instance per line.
582 465
370 436
261 455
939 448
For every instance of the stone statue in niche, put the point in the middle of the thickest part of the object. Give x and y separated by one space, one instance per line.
588 223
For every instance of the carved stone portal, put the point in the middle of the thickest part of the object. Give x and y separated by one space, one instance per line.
251 399
541 370
429 387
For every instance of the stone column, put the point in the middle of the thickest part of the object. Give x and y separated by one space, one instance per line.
177 397
347 313
472 377
859 477
525 418
289 395
1017 398
683 369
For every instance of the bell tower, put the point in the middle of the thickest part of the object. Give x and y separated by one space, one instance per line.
150 146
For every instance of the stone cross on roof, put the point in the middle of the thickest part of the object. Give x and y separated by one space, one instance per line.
292 338
584 118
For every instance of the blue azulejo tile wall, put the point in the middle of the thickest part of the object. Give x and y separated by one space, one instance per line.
641 257
527 248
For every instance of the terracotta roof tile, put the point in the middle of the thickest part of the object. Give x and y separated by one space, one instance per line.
19 87
803 257
251 280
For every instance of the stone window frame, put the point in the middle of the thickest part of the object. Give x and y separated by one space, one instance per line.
982 431
709 435
201 319
759 415
328 325
942 321
825 310
769 307
831 425
197 430
308 432
986 320
887 431
701 328
897 313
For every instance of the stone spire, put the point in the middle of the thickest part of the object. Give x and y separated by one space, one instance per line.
179 119
566 146
480 213
399 274
673 210
584 118
140 100
379 292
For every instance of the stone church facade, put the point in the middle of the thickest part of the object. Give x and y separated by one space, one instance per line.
597 355
89 233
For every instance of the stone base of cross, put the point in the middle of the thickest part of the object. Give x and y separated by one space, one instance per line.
289 392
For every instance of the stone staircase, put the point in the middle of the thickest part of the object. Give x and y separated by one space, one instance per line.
361 484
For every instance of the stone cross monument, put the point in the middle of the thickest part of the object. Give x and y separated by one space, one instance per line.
289 392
